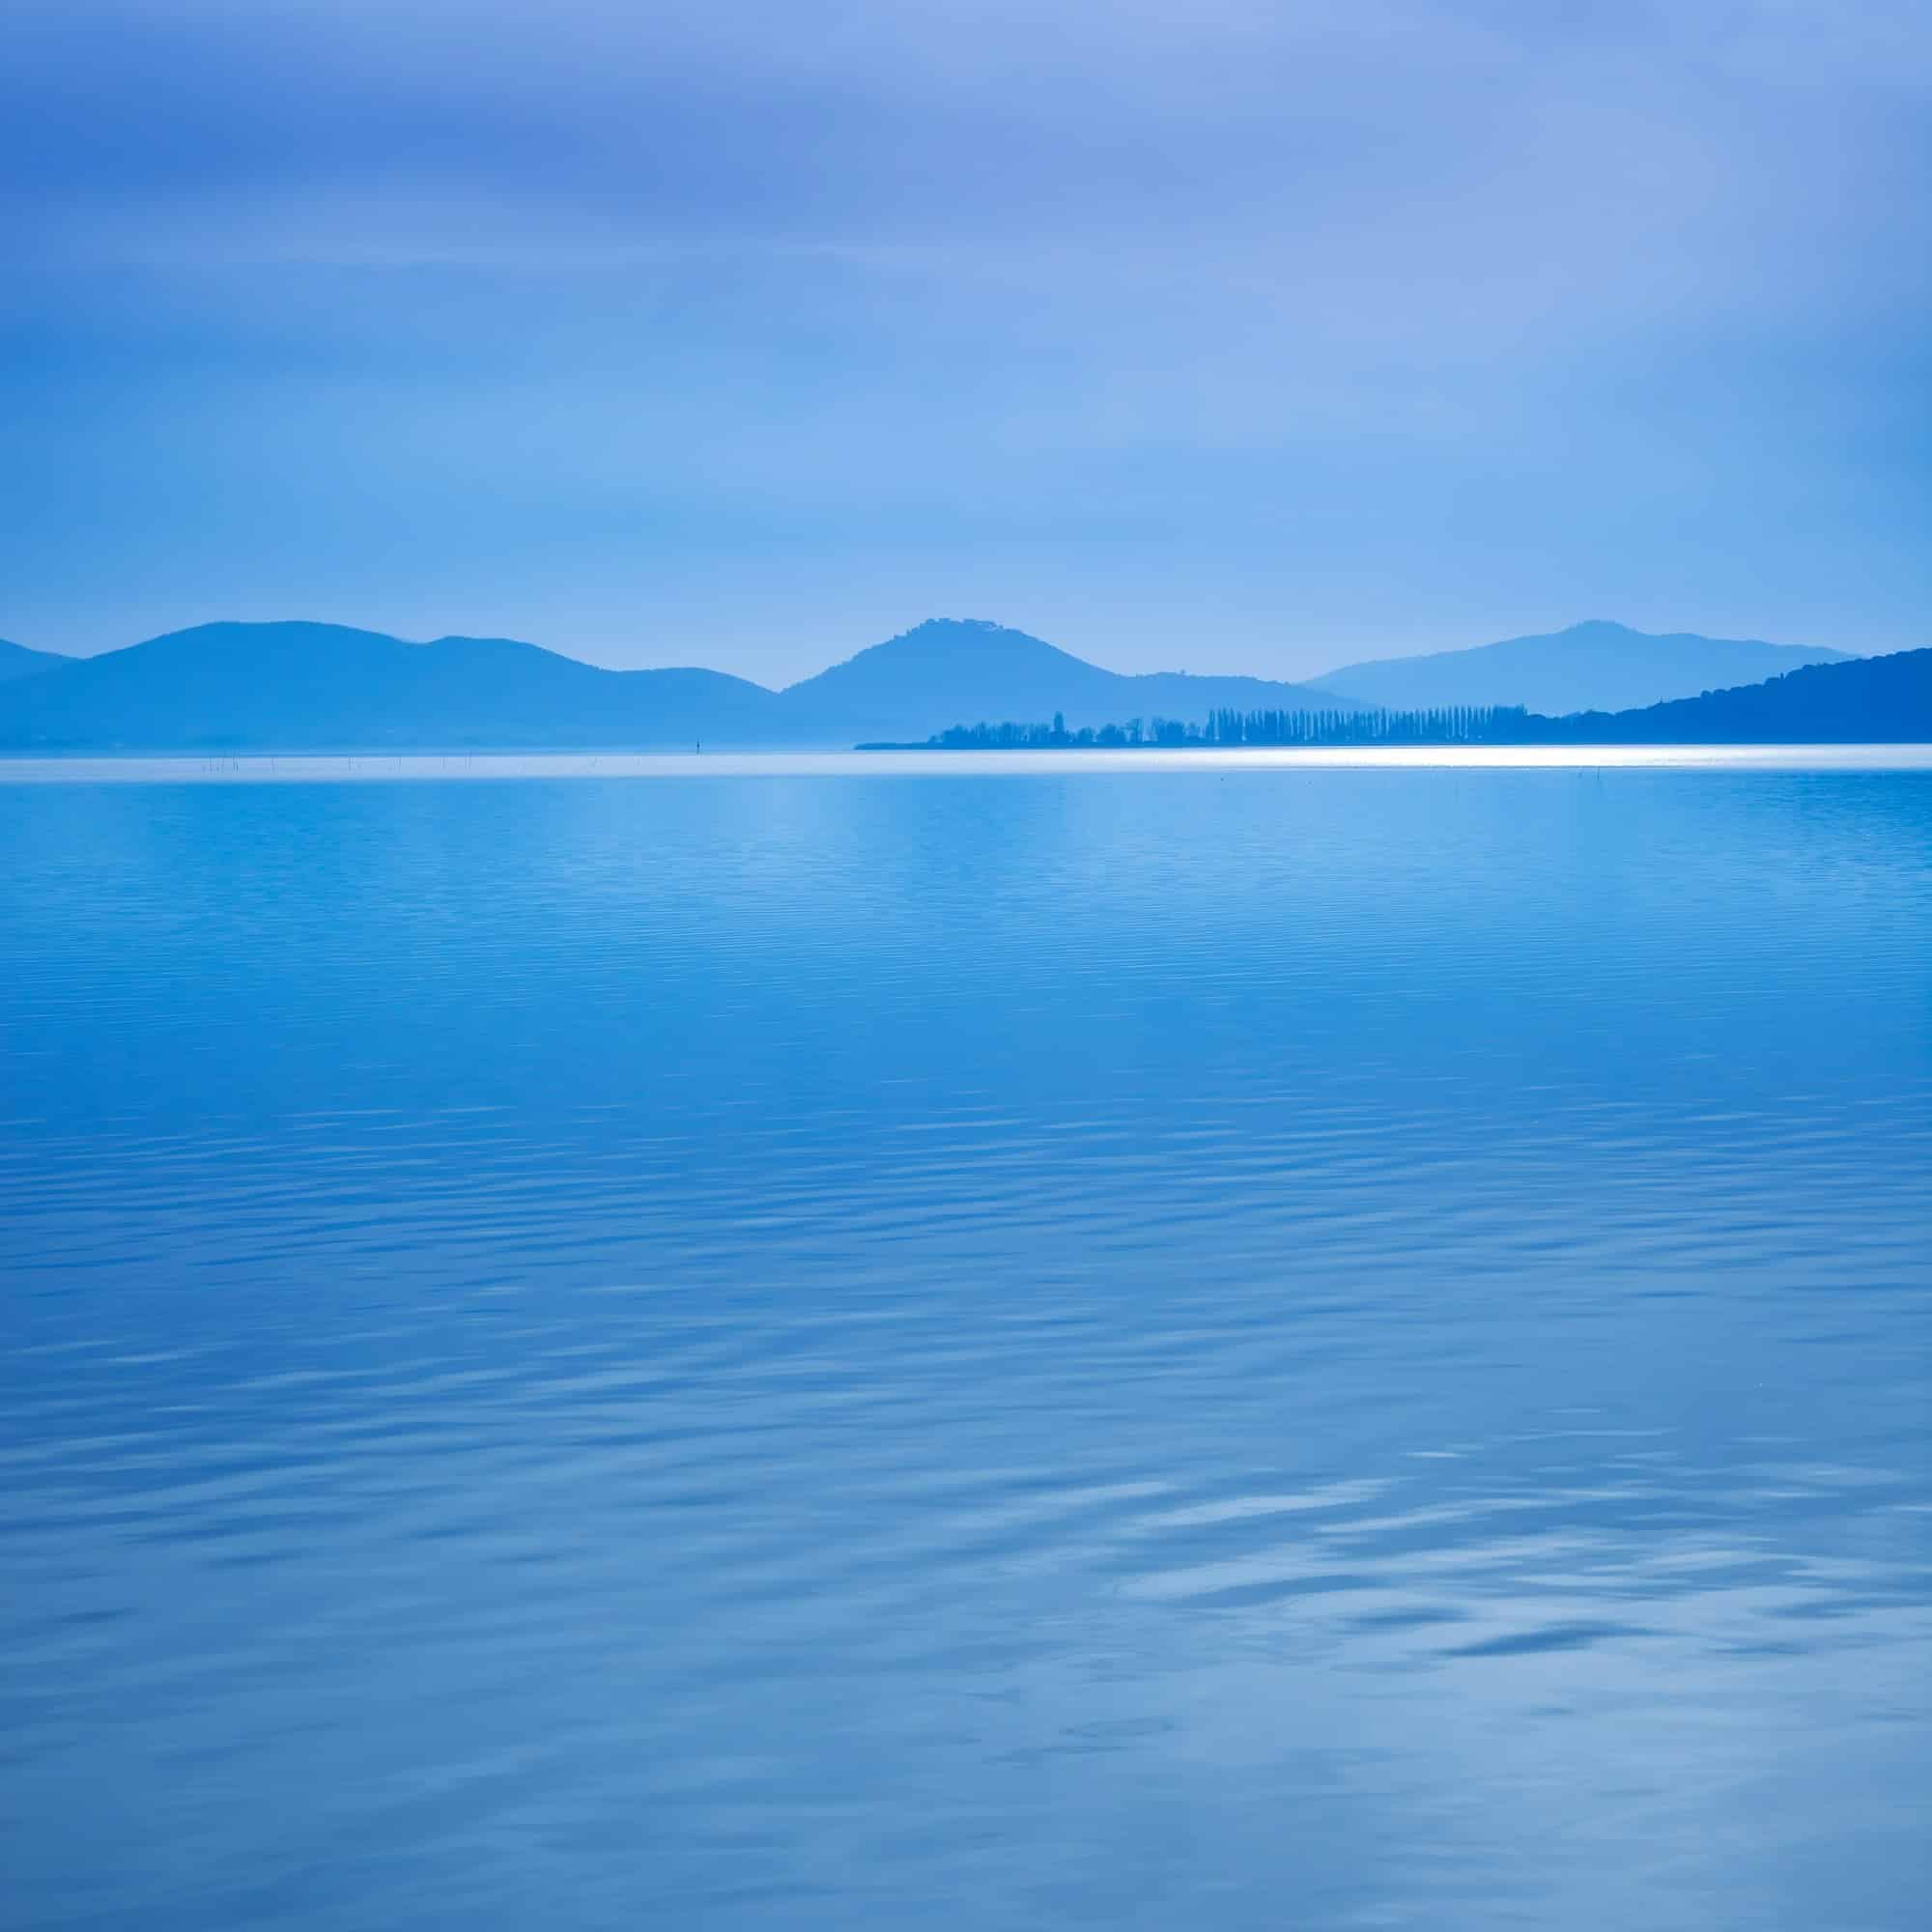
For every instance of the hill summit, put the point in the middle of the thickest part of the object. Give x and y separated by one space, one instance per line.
970 667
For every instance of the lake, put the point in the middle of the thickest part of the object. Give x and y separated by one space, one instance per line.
813 1344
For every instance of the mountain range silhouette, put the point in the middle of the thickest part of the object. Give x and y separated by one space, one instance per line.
316 687
297 686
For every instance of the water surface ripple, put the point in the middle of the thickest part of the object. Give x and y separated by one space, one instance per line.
1224 1347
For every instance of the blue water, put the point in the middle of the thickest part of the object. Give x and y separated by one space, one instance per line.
1230 1349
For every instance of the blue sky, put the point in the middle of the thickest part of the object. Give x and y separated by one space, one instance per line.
1223 336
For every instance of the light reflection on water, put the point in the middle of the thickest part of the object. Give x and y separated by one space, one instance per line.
365 767
1344 1348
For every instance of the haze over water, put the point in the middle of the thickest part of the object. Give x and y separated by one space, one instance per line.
1214 1345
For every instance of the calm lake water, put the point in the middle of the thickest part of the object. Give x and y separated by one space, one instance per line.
1209 1347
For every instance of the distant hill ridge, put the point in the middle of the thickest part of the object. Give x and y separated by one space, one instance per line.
1591 667
297 686
947 668
1856 700
300 686
1861 701
290 686
17 661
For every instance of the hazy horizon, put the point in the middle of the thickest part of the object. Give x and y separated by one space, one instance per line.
1190 339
